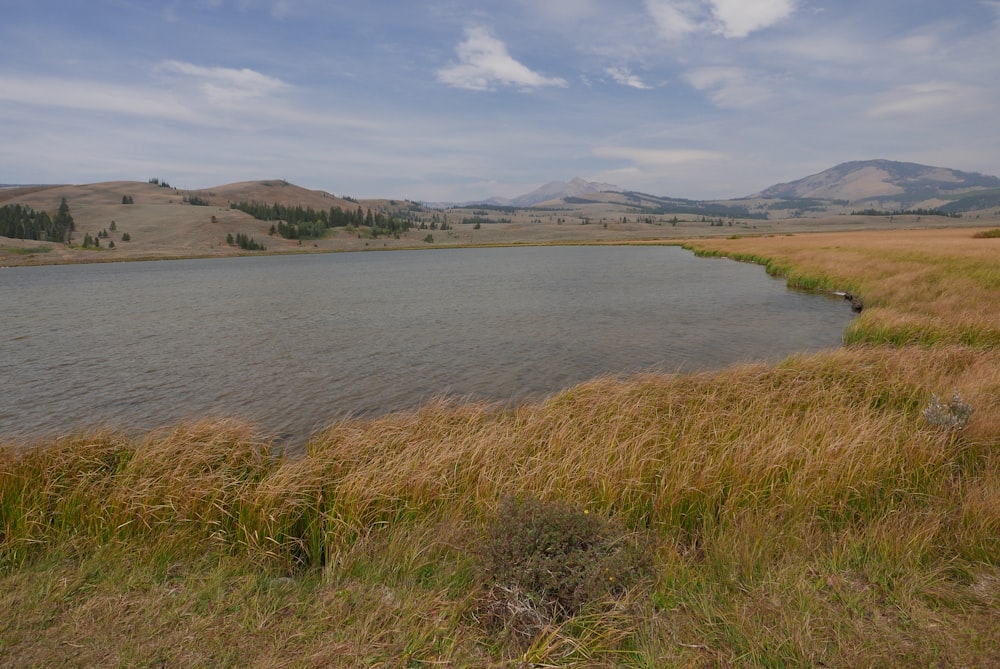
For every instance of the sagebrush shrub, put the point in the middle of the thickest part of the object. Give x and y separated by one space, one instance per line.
557 558
954 415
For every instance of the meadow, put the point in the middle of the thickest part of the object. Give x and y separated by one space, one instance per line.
837 509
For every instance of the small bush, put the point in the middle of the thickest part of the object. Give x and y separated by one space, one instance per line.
546 561
952 416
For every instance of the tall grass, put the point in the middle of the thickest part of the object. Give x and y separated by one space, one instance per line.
742 477
828 438
918 286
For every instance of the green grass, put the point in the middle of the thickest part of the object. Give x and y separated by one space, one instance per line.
25 250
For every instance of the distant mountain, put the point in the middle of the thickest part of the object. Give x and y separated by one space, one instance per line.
553 190
861 181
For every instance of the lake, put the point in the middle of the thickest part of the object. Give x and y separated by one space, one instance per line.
293 343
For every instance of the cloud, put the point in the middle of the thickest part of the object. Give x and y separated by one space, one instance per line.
485 63
677 18
739 18
926 98
729 18
92 96
225 85
730 87
626 78
918 45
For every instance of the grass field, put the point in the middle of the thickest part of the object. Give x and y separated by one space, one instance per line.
838 509
926 286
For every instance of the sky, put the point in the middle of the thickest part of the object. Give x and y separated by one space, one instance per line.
444 100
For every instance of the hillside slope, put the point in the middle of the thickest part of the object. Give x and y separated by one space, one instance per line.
871 180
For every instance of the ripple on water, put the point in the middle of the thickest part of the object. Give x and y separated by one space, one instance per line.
294 342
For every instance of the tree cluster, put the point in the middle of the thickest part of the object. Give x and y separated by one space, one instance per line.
21 222
307 223
902 212
244 242
434 225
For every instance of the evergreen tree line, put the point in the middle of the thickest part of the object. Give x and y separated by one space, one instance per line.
21 222
902 212
244 242
307 223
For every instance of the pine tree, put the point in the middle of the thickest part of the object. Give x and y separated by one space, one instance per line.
62 225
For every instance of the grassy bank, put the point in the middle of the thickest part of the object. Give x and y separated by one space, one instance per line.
918 286
810 513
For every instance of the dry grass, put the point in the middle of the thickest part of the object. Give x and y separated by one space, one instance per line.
785 501
799 514
918 286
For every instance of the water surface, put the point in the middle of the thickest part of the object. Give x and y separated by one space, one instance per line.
294 342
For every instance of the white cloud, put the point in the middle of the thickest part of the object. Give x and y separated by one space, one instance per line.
739 18
729 87
676 18
622 76
927 98
226 85
484 62
729 18
92 96
918 45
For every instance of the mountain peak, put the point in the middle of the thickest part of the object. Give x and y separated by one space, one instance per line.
861 180
554 190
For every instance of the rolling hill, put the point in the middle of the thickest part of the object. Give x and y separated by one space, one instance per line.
894 184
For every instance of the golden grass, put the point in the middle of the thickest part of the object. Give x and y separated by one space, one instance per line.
755 481
918 286
799 514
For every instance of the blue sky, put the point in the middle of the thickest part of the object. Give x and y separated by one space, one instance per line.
448 100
